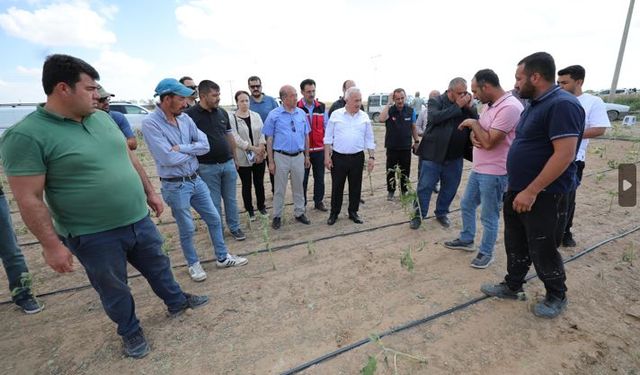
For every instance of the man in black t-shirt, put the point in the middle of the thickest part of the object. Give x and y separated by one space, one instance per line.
400 123
218 167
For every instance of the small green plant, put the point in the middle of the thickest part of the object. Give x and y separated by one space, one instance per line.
372 362
409 200
629 255
248 220
22 230
613 164
599 177
26 283
370 183
264 223
406 260
613 194
601 151
311 250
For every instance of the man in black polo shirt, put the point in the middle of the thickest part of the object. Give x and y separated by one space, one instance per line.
218 167
541 174
442 149
400 124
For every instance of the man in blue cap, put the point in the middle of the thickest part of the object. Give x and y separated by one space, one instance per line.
175 141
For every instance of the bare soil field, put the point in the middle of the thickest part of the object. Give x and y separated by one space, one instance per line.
322 288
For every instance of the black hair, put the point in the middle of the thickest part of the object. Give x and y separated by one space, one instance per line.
254 78
240 92
576 72
541 63
306 82
207 86
485 76
185 78
64 68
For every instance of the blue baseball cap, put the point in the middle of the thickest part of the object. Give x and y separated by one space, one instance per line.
172 86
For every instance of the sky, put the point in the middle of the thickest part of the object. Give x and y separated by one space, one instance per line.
382 45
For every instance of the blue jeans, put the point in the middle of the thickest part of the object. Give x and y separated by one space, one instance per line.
221 179
487 191
181 196
12 258
104 256
449 173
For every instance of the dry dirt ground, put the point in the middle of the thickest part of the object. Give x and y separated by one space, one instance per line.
303 301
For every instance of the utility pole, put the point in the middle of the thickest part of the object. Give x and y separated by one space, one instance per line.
623 43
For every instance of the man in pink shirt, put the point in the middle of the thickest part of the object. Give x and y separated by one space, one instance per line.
492 135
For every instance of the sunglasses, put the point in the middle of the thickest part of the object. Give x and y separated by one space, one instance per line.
293 126
193 87
104 100
255 86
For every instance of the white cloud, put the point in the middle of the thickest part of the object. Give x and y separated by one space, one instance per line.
31 72
60 24
126 76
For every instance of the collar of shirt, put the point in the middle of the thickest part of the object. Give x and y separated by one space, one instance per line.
546 95
500 100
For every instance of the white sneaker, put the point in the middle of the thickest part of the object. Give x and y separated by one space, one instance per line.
196 272
232 261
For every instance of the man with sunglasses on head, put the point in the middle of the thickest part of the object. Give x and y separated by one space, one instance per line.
190 83
118 118
287 131
262 104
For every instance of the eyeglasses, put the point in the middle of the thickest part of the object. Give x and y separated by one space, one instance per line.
104 100
293 126
193 87
255 86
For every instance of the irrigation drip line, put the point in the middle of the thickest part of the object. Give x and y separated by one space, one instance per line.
264 250
440 314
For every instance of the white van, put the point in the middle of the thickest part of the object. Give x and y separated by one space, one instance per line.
376 102
12 113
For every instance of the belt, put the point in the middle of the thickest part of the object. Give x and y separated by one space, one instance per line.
287 153
179 179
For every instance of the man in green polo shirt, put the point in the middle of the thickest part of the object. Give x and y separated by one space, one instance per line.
96 196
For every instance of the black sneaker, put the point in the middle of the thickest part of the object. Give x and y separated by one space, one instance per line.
135 345
415 222
276 223
502 291
303 219
238 234
458 244
550 307
192 302
568 241
30 305
444 221
390 196
263 211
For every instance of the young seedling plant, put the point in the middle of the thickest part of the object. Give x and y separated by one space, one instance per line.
372 362
264 223
26 283
408 200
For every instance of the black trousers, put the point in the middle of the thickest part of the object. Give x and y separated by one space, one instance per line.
346 167
316 159
246 173
403 159
571 200
530 237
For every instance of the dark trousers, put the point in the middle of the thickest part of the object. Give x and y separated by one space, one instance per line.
403 159
267 161
530 237
317 164
571 200
246 173
104 256
346 167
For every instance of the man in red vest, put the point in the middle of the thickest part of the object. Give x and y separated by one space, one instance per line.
317 118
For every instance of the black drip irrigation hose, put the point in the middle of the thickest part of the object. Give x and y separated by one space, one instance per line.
273 249
440 314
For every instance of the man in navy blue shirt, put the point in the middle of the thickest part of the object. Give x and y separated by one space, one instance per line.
541 174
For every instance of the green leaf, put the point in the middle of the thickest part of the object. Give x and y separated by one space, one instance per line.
370 368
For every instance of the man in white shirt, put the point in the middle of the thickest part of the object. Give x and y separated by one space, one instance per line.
348 133
571 79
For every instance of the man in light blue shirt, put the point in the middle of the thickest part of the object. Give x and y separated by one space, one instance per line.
287 132
174 142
